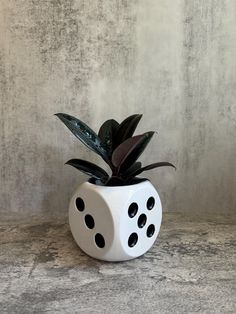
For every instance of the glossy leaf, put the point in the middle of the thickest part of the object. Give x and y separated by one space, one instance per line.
107 134
137 165
83 132
97 181
127 128
152 166
115 181
129 151
88 168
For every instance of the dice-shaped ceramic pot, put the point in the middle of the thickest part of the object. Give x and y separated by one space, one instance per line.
115 223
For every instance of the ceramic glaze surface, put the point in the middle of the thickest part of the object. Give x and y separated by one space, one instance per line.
115 223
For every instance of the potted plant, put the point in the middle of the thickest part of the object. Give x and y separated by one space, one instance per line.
114 217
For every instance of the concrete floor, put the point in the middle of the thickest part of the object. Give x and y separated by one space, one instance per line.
191 268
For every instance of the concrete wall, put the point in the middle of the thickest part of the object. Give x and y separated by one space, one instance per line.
173 61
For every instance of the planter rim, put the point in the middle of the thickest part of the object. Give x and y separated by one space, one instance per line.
117 186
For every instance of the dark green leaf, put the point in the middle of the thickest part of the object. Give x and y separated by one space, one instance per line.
107 134
129 151
137 165
127 128
88 168
96 181
115 181
83 132
152 166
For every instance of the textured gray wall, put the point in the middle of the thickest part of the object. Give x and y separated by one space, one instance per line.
174 61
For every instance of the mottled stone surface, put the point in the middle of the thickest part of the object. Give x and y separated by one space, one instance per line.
174 61
190 269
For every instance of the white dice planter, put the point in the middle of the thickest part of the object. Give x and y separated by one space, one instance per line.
115 223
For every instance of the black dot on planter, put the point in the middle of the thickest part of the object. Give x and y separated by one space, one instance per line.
79 204
150 203
142 220
150 231
133 239
133 209
99 240
89 221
